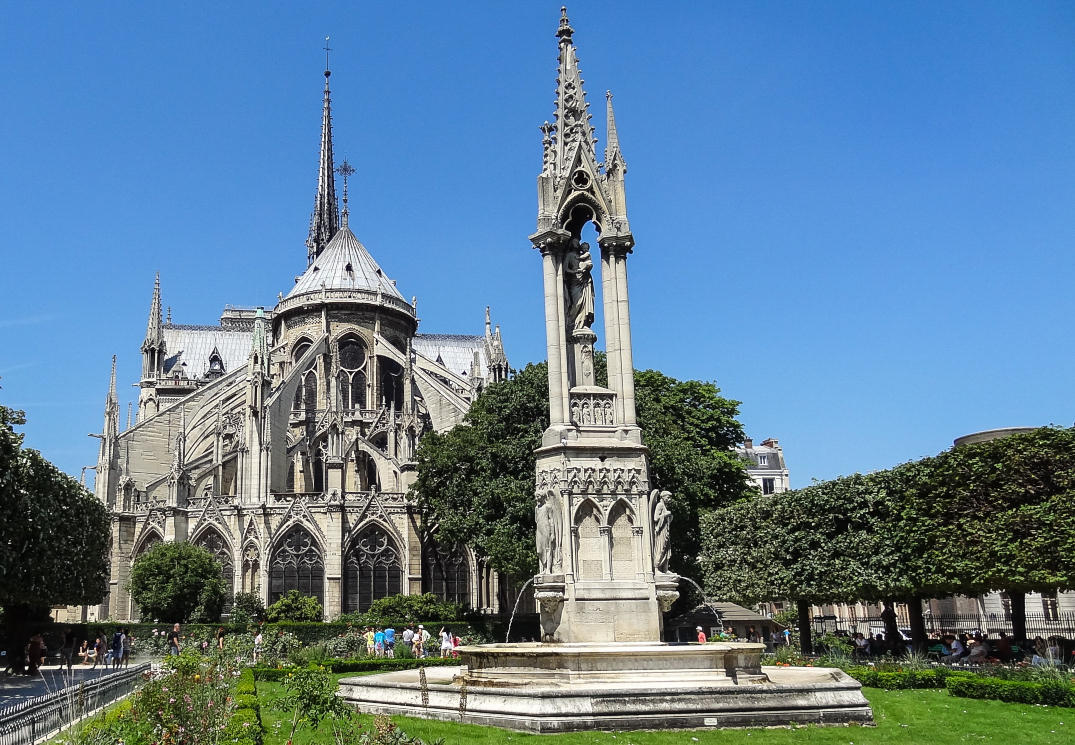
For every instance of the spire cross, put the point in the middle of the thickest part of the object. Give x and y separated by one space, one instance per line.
327 50
345 169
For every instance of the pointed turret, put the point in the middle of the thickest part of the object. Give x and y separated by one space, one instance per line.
106 456
571 179
325 220
615 168
613 157
572 116
153 348
111 427
259 346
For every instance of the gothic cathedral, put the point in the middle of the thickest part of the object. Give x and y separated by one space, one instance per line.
283 440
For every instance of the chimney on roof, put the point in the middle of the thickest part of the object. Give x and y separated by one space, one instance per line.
748 444
772 442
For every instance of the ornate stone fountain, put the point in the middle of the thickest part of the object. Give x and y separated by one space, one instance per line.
603 531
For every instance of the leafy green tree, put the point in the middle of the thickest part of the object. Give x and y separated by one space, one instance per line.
408 608
247 607
476 482
996 515
294 606
178 581
53 536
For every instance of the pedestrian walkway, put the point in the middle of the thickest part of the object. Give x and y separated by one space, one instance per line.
14 689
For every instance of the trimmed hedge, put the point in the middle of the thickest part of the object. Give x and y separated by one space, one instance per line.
276 674
244 727
893 680
1051 693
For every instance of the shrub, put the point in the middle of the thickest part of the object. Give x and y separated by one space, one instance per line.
247 608
294 606
1052 693
409 609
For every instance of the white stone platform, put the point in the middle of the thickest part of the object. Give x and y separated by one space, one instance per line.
571 687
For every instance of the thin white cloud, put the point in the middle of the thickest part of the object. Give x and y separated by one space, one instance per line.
28 320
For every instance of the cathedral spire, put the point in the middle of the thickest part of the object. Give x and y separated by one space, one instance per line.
111 423
325 220
112 399
154 326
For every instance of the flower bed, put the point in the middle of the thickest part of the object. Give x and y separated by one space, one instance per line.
196 701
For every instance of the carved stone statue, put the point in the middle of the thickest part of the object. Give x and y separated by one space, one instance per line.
556 564
662 527
580 293
547 519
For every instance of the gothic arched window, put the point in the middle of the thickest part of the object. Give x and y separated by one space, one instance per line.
251 568
297 564
213 542
352 376
391 383
446 574
372 569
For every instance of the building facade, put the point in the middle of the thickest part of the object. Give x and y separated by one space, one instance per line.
765 465
283 438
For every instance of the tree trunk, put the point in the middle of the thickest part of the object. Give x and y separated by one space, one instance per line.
918 625
806 640
1018 599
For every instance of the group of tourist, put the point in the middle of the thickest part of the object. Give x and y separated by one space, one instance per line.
417 640
969 648
109 652
728 634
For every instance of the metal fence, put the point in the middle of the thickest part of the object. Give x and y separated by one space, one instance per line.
1058 624
38 718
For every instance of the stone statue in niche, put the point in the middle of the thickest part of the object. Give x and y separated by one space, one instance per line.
578 266
547 519
662 527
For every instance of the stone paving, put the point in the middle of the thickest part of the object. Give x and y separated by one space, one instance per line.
15 689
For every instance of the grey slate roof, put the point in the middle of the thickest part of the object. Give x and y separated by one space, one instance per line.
456 351
193 345
345 264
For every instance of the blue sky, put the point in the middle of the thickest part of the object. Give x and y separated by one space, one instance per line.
857 218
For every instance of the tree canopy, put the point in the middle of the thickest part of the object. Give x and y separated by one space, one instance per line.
53 535
178 581
476 481
994 515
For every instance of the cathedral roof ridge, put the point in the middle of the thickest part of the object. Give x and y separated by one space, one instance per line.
345 264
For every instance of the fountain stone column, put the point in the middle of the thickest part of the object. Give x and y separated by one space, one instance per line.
603 567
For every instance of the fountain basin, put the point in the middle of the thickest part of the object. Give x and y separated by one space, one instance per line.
623 686
571 664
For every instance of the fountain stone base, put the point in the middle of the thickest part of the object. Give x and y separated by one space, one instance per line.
624 686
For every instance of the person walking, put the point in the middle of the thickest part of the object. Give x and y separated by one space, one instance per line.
128 643
445 643
389 642
701 635
408 638
35 650
378 642
67 653
117 648
173 641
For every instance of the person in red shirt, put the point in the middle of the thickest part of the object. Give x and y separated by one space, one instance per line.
701 635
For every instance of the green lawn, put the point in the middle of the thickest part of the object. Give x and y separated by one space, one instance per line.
918 717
